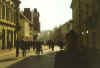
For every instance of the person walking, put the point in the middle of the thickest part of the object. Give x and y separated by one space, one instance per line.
61 44
41 43
52 45
17 47
38 47
48 43
23 47
34 45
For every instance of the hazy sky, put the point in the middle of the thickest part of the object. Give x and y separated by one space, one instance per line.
52 12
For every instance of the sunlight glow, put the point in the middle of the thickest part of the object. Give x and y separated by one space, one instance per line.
52 12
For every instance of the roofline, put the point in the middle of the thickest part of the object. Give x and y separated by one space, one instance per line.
21 13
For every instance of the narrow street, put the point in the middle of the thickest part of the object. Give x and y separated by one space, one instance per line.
49 34
46 60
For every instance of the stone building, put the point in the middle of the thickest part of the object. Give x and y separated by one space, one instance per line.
27 13
86 21
9 18
33 16
25 32
36 22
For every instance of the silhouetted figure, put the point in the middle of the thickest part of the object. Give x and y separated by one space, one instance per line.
34 45
31 44
28 45
17 47
48 43
41 43
38 47
23 47
61 44
52 44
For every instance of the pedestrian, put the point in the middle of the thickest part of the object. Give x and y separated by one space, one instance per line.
52 45
23 47
41 50
33 45
17 47
48 43
28 46
38 47
61 44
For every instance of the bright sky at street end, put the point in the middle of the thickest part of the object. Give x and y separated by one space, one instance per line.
52 12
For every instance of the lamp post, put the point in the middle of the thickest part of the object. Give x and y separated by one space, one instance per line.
48 35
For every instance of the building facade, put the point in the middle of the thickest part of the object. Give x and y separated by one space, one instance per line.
86 21
35 19
27 12
33 16
25 32
9 10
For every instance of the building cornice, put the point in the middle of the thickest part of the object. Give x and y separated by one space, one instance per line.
7 22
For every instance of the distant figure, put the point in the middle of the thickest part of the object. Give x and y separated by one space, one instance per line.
48 43
38 47
34 45
52 45
28 45
61 44
17 47
23 47
41 43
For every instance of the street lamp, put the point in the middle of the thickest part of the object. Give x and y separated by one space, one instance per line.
82 33
87 32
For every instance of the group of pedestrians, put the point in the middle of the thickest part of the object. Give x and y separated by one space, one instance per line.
52 43
37 45
25 46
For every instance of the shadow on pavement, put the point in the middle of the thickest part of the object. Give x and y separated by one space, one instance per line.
35 62
7 60
75 59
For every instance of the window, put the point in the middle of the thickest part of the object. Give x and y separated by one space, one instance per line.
3 12
12 15
0 12
7 13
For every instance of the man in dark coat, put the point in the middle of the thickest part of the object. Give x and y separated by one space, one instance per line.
61 44
52 44
34 45
23 47
17 47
